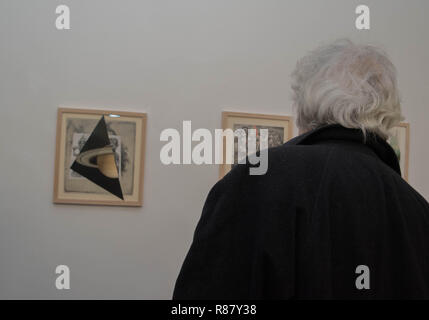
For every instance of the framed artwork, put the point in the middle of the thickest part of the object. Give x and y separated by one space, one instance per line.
126 132
280 130
400 142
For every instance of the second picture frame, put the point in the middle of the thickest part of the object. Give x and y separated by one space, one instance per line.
280 130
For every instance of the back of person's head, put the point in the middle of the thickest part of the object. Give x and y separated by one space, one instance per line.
347 84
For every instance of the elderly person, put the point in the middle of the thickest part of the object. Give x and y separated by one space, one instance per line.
332 217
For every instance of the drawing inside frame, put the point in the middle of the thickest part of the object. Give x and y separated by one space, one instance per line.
126 132
400 142
280 130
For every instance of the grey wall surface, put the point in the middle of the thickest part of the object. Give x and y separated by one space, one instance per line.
176 60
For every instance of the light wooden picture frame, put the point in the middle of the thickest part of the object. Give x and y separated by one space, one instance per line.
127 131
400 142
280 129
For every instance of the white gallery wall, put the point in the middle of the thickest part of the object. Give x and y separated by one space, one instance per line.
175 60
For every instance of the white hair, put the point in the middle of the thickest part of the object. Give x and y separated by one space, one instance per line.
347 84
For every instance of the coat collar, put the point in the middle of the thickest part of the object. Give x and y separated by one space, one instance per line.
338 133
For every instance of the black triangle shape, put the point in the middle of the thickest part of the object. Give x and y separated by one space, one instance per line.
99 138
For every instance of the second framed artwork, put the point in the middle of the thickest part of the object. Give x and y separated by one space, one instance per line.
126 132
280 130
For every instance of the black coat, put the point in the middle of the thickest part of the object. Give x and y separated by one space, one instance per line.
328 203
